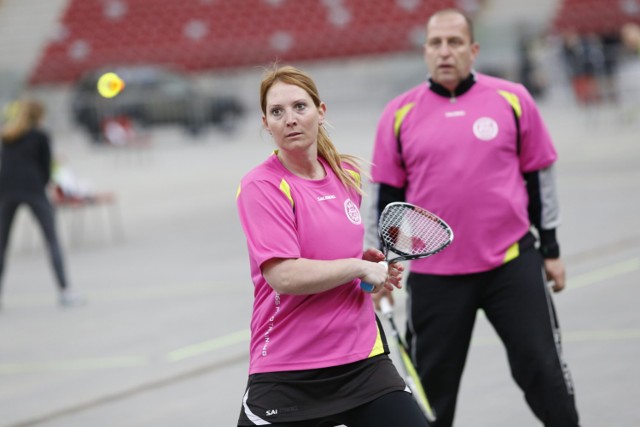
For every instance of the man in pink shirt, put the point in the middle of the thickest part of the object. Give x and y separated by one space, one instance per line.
474 150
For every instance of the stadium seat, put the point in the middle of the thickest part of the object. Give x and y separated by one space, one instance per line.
205 35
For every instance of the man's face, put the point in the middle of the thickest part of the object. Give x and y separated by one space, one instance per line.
449 51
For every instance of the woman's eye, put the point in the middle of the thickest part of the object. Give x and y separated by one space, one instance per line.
276 111
301 106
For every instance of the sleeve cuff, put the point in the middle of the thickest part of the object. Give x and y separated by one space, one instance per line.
548 244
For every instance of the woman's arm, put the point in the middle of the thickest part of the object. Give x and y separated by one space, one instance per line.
303 276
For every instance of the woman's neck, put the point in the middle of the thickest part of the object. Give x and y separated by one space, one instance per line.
307 167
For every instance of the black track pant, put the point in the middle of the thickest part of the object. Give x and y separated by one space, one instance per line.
44 214
516 300
394 409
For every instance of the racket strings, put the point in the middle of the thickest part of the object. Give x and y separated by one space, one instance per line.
413 231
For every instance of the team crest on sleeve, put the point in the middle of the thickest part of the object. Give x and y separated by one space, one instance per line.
352 211
485 128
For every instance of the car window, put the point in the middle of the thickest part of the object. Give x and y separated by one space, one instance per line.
175 86
88 84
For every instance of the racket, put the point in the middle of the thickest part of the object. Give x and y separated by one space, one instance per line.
411 232
411 375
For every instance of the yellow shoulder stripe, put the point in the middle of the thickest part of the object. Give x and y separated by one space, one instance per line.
356 177
286 189
513 100
399 117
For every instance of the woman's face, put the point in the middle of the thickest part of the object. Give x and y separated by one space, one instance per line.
292 118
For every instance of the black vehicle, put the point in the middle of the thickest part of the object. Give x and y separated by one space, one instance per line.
152 95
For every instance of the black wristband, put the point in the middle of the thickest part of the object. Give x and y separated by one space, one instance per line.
549 247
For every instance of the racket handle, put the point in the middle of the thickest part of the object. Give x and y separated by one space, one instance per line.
368 287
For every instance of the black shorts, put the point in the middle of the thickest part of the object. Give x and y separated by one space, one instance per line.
278 397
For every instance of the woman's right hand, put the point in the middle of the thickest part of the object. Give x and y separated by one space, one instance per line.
375 274
392 278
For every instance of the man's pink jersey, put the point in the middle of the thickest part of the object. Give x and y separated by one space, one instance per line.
285 216
469 171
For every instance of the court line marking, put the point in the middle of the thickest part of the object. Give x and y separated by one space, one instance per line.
237 337
603 273
38 299
132 391
574 336
208 346
73 365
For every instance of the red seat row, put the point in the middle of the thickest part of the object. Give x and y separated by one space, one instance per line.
595 16
212 34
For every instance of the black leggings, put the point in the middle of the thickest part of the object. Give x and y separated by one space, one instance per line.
44 214
516 301
397 408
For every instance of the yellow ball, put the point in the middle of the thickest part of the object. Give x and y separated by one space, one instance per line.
110 84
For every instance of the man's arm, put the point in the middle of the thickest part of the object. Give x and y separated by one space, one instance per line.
544 214
381 196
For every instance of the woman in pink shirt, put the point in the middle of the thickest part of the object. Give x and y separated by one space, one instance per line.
318 354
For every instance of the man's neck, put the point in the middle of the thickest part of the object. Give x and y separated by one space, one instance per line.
460 89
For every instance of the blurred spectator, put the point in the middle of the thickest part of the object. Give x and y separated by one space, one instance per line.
629 73
118 131
630 35
529 68
25 170
68 186
584 58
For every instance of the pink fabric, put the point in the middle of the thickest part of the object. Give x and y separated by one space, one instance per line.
461 163
292 332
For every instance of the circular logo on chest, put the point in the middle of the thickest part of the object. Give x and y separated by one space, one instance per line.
352 211
485 128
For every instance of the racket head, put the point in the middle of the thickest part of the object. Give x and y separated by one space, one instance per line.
412 232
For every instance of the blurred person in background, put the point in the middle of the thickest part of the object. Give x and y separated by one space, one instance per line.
25 171
318 354
529 68
474 150
629 73
630 35
584 59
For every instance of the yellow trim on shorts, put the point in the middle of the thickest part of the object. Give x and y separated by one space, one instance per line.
512 253
378 347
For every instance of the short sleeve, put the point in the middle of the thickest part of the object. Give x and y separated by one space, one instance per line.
387 165
537 150
268 221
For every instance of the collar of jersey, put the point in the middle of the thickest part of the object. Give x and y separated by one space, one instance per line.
462 87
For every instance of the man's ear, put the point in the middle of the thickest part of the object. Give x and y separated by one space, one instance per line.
475 49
